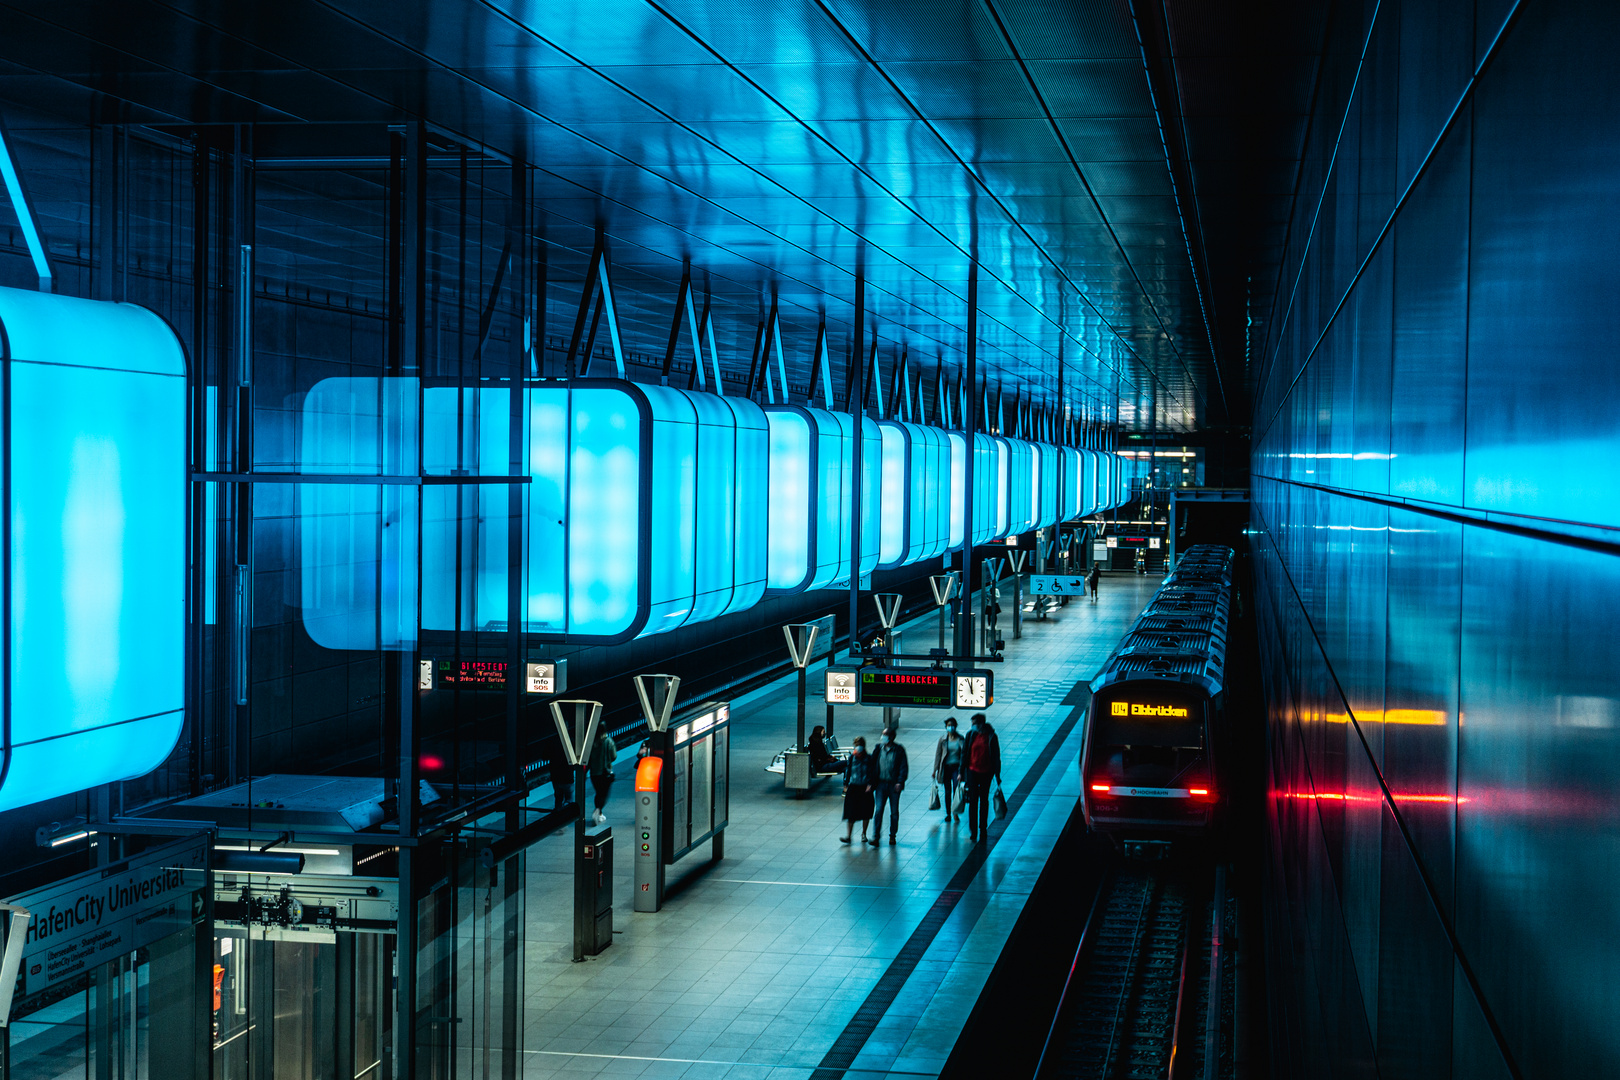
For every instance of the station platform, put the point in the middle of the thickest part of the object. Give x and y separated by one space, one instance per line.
797 956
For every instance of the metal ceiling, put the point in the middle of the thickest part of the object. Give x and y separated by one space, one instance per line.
1122 169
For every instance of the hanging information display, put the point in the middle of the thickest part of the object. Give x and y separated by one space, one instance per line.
914 688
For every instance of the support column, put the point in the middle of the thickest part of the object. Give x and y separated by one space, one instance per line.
857 412
970 416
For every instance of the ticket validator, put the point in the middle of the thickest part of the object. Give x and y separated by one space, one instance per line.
682 794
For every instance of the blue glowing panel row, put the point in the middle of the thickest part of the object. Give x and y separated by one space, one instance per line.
638 509
95 574
608 556
917 503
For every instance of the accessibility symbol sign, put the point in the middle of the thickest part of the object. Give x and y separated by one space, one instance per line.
1056 585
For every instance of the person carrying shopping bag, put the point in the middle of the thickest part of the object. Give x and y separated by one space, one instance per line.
981 751
948 768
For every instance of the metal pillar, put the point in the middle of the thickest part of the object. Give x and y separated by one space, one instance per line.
857 412
970 418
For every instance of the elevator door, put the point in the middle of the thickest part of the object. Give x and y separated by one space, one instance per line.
310 1007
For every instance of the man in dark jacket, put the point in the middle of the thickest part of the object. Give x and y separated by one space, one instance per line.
601 770
981 756
891 769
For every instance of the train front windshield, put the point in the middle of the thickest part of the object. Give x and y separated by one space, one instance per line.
1155 741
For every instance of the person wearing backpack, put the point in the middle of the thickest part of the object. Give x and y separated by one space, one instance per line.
601 770
982 755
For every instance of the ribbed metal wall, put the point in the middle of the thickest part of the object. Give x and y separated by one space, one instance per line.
1437 568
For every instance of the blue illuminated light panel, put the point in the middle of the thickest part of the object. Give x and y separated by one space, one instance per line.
958 489
1048 485
1069 500
96 571
916 505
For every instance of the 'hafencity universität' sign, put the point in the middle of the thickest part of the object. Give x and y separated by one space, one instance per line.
90 919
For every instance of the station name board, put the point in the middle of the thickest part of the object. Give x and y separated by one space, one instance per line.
1128 708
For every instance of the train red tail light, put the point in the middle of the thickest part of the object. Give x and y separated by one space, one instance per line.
1100 787
1202 793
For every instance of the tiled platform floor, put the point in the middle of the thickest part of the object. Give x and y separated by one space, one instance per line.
758 964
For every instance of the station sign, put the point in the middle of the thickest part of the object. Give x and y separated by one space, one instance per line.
87 920
843 687
545 677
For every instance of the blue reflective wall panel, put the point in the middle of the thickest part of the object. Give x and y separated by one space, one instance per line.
1438 551
97 566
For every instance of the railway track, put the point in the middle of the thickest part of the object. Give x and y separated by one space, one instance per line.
1148 995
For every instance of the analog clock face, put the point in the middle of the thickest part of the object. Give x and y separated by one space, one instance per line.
971 692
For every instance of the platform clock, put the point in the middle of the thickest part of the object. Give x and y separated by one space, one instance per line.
974 690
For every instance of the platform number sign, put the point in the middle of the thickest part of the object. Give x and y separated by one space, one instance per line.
974 690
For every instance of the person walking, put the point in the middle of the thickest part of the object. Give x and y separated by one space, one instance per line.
601 770
948 765
857 791
1091 581
891 771
981 751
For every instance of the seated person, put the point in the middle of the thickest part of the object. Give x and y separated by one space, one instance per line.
821 759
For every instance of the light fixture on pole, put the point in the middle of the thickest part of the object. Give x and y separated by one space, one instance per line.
801 642
943 587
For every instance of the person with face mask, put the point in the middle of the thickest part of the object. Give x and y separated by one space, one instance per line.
948 765
981 752
857 791
890 771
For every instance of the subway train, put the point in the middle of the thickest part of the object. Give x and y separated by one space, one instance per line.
1151 765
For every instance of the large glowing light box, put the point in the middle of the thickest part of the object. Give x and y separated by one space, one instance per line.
812 456
1048 484
1016 463
1071 499
94 573
989 490
916 501
645 509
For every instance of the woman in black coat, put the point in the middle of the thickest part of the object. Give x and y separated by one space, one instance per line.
858 777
